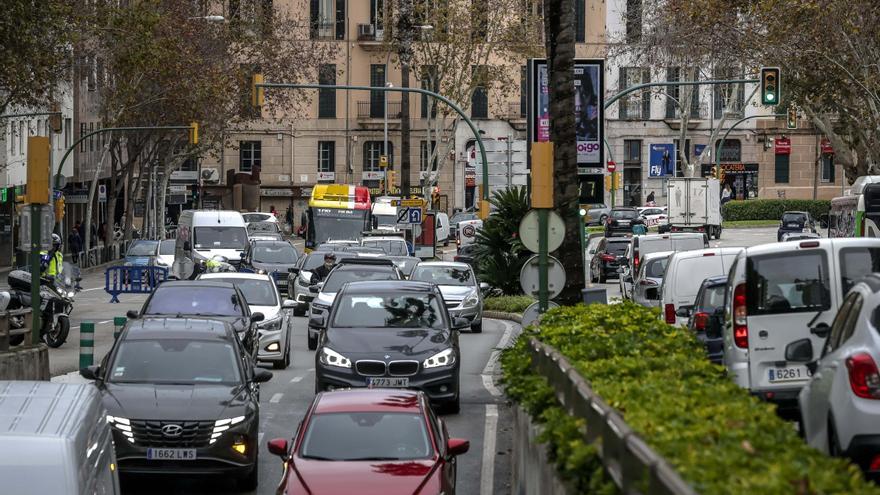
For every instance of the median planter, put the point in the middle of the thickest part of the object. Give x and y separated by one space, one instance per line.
656 379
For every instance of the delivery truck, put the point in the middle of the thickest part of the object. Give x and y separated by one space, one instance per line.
695 205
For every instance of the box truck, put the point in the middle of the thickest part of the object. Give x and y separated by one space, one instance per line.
695 205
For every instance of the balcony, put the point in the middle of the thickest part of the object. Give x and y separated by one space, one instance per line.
371 36
368 110
324 30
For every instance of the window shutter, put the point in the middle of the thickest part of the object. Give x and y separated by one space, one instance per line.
621 105
313 18
340 19
331 156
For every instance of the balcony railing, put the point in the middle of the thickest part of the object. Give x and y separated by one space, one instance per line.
370 32
371 110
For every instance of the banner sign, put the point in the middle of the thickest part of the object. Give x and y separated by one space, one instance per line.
783 146
662 162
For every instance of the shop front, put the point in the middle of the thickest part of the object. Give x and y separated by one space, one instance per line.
740 178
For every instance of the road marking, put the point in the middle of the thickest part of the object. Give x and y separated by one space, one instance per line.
296 379
311 369
488 371
276 398
487 471
93 288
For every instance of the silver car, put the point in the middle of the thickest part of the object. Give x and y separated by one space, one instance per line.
597 213
646 283
458 284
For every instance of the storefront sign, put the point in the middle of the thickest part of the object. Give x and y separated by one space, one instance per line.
827 148
282 192
327 176
373 175
783 146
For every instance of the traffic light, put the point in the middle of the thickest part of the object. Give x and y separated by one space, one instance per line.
714 174
59 209
258 96
194 133
792 118
392 178
770 85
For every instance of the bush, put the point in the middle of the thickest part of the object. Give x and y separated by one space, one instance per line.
719 438
772 209
507 304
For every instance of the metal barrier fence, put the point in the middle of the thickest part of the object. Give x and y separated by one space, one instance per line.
133 280
631 463
6 333
98 255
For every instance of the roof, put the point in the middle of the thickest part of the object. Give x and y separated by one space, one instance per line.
366 261
195 283
153 327
676 235
716 280
836 243
657 254
382 238
373 286
46 409
697 253
235 275
627 208
787 212
448 264
270 241
368 400
211 217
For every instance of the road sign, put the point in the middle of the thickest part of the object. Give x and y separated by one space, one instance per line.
383 161
532 314
411 216
528 231
102 193
529 277
612 166
415 203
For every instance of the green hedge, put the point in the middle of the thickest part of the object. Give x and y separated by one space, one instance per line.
507 304
717 436
772 209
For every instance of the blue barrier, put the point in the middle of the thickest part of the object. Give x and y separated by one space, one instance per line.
133 280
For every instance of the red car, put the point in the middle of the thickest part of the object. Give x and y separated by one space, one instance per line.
369 441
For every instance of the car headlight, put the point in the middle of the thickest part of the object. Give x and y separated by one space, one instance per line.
122 425
472 300
222 425
333 358
273 324
443 358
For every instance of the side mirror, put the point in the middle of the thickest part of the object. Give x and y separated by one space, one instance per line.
187 246
484 286
262 376
799 351
316 321
460 323
91 373
279 447
132 314
294 270
684 312
821 330
315 288
257 317
457 446
288 304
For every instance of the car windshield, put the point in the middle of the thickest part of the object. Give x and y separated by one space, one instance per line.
263 227
389 220
624 214
143 248
443 275
281 252
389 311
713 298
340 277
220 237
193 300
257 217
794 218
787 283
166 247
616 248
257 292
855 263
367 436
338 224
390 247
656 268
316 259
175 361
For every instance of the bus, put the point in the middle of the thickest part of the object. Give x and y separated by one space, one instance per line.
337 212
857 214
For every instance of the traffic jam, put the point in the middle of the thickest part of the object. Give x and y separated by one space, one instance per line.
791 321
181 384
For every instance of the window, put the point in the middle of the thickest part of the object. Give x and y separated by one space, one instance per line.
377 15
635 106
425 154
326 156
676 95
731 152
82 132
632 151
10 132
633 21
827 167
92 138
68 129
580 18
429 82
480 97
372 152
327 19
479 19
781 170
91 70
788 283
250 155
377 98
327 97
723 104
523 90
855 262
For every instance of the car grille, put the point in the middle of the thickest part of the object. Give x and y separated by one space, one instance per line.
450 304
403 368
195 434
370 368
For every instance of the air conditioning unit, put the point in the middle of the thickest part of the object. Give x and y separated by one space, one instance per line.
210 176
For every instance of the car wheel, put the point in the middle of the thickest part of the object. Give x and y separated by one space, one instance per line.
477 327
602 219
313 341
453 406
284 363
718 233
250 481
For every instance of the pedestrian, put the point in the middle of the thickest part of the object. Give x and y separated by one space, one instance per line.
102 233
650 199
74 241
82 230
288 218
272 211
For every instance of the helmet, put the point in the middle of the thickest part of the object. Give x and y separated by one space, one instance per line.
56 240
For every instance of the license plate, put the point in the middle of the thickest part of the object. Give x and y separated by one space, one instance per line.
789 374
387 382
794 225
171 454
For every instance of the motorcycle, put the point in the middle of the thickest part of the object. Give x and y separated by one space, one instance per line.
56 303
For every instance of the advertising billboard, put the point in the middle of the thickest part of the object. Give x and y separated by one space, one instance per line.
662 160
589 87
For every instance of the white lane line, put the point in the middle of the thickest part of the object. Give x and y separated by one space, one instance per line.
296 379
276 398
93 288
487 471
488 380
311 369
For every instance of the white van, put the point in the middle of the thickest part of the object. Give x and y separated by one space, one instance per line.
684 274
384 215
203 234
783 292
655 243
55 439
442 227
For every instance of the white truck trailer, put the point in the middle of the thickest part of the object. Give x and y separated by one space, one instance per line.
695 205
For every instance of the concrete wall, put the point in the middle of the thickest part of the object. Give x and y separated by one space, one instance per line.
532 472
25 363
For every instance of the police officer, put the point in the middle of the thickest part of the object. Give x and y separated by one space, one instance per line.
53 261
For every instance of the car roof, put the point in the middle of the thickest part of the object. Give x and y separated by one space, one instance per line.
196 283
657 254
373 286
779 247
698 253
270 241
795 212
366 261
382 238
444 264
627 208
368 400
152 327
621 240
676 235
46 409
235 275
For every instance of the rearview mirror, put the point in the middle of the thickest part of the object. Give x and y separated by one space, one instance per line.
257 317
262 376
799 351
684 312
457 446
278 446
91 372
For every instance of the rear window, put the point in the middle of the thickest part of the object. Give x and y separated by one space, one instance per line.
713 298
656 268
789 282
793 218
624 214
855 263
617 248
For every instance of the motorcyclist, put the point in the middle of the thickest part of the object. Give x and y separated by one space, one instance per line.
322 271
52 262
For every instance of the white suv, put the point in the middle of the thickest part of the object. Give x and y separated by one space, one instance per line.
840 405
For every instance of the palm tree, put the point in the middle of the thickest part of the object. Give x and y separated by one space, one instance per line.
499 253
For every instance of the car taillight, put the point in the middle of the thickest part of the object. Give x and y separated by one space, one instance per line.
700 321
456 258
740 317
669 310
636 262
649 283
607 257
864 378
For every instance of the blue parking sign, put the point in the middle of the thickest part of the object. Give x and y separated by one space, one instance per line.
415 215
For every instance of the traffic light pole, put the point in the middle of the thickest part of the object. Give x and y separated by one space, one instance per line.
425 92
